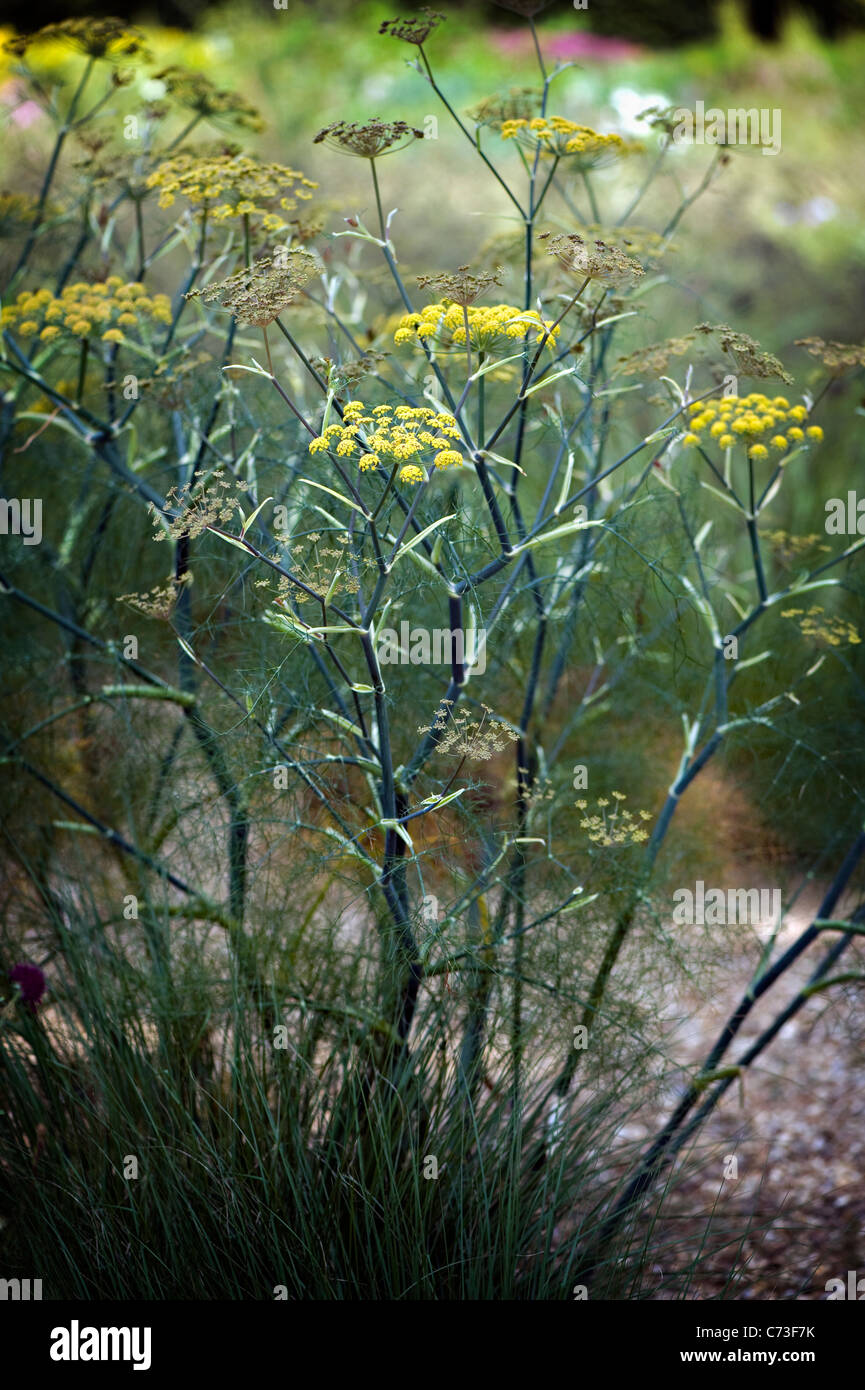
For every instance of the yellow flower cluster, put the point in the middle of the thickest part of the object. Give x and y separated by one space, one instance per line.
789 548
750 418
106 38
18 212
620 827
814 623
558 136
491 327
386 434
230 185
82 310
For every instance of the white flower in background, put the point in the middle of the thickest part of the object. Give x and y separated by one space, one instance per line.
628 103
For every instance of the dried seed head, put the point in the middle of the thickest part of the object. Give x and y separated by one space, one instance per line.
516 103
838 357
368 139
416 30
258 295
746 353
461 286
348 374
664 118
160 601
653 359
593 260
467 737
206 501
197 93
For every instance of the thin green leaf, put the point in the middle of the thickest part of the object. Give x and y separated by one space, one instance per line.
421 535
338 495
247 524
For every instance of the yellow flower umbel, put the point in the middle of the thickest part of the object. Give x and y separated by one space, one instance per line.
492 328
554 135
391 436
763 424
616 827
108 309
789 549
231 185
835 632
107 39
18 211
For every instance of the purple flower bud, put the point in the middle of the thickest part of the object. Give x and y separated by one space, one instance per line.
31 981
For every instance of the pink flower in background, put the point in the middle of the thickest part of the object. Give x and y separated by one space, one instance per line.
565 47
24 112
582 45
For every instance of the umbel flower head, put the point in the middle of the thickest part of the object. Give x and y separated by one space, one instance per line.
555 135
641 242
494 110
416 30
325 569
492 327
368 139
386 435
616 827
340 375
467 737
160 601
109 308
838 357
308 225
789 549
746 352
197 93
108 39
654 357
103 162
757 421
231 185
258 295
663 118
17 211
209 499
593 260
461 286
815 623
